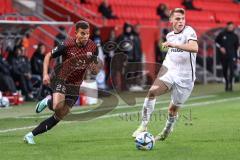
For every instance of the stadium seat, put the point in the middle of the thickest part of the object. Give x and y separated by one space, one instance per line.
144 11
200 16
226 17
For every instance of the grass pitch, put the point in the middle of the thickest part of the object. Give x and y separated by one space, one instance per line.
208 129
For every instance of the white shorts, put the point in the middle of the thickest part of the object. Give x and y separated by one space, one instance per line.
181 88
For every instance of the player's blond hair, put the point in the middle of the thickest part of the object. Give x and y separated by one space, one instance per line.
177 10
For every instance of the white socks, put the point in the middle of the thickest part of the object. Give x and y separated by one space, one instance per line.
147 110
170 122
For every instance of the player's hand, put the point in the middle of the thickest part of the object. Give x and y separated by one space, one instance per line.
46 79
168 44
223 50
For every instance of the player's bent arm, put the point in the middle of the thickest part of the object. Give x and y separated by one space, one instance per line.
96 67
191 46
46 63
46 79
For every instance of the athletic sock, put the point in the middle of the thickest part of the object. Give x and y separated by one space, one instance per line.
45 125
147 110
170 122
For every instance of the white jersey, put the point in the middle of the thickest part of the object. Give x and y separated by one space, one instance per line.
181 63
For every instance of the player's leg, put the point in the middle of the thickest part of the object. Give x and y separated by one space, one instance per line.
171 120
44 103
158 88
179 96
44 126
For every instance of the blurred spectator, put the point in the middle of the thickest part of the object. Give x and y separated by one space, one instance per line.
137 54
109 51
163 12
106 10
37 60
61 36
227 43
161 52
101 76
22 73
126 46
188 4
137 44
26 43
17 44
6 81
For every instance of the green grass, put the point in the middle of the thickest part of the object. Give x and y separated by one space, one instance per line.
214 133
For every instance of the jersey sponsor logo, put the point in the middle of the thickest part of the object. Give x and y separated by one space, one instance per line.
175 50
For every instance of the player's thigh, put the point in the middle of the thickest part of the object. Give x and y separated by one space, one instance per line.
160 85
58 100
180 94
60 106
69 102
158 88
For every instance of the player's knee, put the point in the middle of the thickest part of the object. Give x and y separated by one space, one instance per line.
151 93
58 105
61 112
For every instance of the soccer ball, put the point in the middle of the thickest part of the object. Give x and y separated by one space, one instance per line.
144 141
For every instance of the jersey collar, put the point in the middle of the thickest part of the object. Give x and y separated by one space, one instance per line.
180 31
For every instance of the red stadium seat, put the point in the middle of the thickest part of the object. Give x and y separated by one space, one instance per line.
226 17
200 16
144 11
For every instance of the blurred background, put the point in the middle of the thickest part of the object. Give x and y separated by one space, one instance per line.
31 28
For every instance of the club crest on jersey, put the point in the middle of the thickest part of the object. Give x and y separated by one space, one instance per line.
89 54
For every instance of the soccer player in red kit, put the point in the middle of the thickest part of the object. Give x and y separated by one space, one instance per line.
79 54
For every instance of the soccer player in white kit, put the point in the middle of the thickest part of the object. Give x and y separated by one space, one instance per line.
177 74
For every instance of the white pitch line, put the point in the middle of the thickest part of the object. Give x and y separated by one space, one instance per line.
121 107
16 129
184 106
28 127
115 115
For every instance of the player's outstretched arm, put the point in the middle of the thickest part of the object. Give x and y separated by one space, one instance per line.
46 78
191 46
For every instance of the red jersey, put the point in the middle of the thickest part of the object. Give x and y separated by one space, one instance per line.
76 60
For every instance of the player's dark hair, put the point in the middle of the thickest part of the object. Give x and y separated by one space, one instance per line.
82 24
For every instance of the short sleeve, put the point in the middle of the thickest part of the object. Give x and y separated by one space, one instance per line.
190 34
58 50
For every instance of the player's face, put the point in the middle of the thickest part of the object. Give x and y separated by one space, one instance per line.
178 22
82 35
